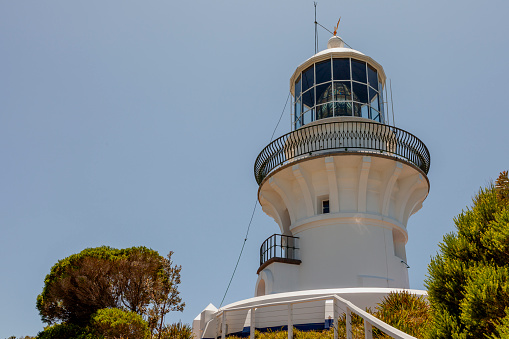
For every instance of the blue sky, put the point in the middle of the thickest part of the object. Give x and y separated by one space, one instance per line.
128 123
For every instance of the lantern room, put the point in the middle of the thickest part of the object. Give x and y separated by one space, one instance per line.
338 82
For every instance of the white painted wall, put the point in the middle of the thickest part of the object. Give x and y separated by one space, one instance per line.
361 242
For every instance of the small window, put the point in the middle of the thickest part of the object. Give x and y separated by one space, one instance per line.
325 206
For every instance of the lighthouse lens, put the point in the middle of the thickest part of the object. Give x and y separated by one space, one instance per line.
323 93
342 109
342 91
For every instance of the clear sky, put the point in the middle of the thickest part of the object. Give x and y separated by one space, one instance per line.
128 123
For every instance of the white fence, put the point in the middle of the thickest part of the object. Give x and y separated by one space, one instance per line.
302 311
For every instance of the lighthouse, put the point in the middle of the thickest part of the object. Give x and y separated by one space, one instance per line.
341 187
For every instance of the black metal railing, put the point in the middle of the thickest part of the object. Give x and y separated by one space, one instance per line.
348 136
279 246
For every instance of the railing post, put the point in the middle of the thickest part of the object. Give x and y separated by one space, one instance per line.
348 320
223 326
217 327
335 317
290 321
368 330
252 325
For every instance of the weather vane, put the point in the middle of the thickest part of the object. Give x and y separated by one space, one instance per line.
336 27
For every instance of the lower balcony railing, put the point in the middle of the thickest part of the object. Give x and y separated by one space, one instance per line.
279 248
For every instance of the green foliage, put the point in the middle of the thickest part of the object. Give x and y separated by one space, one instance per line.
502 186
115 323
67 331
97 278
176 331
136 280
405 311
468 281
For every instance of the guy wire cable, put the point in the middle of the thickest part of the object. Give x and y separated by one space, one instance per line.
254 209
392 104
317 23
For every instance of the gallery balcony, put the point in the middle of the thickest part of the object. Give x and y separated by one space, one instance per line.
345 137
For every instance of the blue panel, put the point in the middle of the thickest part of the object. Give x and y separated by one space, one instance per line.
329 323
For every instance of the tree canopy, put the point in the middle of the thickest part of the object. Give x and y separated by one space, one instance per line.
468 281
135 280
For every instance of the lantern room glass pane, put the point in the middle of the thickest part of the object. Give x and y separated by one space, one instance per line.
308 116
308 78
297 88
365 111
375 115
342 90
382 108
298 123
372 77
341 69
343 108
373 98
360 92
308 98
359 71
323 72
298 109
361 110
324 111
324 93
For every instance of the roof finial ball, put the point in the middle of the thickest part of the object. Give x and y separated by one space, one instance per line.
335 42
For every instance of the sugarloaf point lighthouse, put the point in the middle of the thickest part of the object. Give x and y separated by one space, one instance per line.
341 187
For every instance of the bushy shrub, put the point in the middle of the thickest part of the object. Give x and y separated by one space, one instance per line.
116 323
405 311
67 331
176 331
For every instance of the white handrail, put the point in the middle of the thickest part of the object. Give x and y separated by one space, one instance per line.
369 319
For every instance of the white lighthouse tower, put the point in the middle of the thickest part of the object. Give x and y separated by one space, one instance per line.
341 187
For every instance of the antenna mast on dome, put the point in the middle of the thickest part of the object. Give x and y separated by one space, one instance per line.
316 30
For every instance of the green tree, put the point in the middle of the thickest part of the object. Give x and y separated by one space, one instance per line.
135 279
468 281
